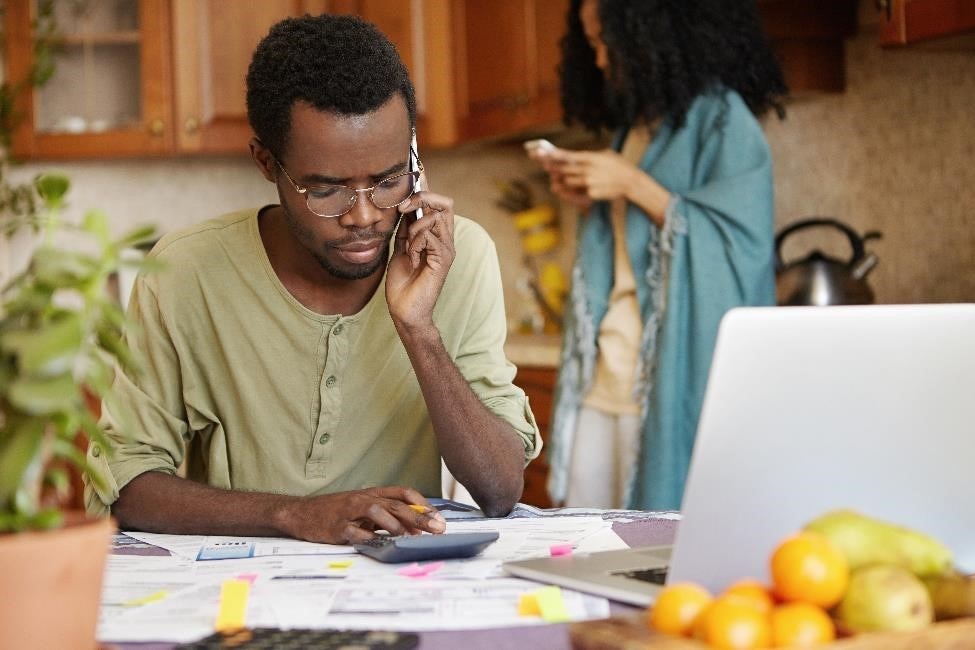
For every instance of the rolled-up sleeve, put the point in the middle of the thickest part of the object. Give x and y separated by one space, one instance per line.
143 415
480 356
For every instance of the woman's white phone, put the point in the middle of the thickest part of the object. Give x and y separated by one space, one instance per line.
540 145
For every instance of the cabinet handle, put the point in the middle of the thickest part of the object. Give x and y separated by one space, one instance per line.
157 127
191 126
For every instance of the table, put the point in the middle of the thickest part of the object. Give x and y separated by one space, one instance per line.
647 532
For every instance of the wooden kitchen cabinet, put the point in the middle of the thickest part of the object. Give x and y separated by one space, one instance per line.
903 22
110 94
169 77
490 68
212 45
808 36
539 384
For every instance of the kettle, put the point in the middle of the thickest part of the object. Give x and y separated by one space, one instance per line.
819 279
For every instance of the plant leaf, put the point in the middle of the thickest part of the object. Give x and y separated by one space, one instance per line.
20 446
134 238
49 350
52 186
96 223
44 396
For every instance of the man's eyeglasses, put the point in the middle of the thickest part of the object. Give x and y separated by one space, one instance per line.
335 200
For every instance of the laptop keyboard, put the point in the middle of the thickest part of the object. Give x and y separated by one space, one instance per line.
656 575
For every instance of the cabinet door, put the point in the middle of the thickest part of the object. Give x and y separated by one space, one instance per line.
213 43
908 21
539 385
109 93
490 68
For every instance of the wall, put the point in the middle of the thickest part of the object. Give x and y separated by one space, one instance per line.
895 153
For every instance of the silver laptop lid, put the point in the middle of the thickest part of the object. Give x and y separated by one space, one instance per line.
810 409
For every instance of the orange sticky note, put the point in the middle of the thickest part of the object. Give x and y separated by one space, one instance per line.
528 605
232 614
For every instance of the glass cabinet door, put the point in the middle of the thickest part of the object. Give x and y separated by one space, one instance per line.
109 94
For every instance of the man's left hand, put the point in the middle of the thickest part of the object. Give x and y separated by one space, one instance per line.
422 254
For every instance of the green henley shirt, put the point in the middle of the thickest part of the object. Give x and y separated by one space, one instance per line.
253 391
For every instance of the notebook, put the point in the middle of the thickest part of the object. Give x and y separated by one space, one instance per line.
808 409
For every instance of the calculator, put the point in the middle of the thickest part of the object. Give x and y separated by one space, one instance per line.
274 639
421 548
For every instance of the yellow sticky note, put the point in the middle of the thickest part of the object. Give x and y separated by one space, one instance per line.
145 600
528 605
233 605
552 605
340 564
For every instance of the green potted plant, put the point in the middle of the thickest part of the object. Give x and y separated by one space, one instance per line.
59 341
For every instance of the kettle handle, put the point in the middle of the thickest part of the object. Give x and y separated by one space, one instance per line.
856 242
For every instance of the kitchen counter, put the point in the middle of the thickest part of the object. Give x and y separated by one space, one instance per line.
533 350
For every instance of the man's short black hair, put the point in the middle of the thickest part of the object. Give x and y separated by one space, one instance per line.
339 64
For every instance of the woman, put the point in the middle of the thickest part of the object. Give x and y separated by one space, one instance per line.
678 231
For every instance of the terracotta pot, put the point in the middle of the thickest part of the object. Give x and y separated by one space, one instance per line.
51 583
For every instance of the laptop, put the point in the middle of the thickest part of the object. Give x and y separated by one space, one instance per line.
809 409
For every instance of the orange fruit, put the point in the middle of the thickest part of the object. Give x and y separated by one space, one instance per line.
801 625
677 607
808 568
734 623
754 592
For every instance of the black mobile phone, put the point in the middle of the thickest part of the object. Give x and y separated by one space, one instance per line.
423 548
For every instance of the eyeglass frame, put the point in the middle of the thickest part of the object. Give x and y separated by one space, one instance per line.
355 196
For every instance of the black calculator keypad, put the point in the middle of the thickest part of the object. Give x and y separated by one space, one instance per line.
275 639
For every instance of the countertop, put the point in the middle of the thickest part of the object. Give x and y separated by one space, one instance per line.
533 350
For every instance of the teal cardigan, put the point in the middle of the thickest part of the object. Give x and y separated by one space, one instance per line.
714 252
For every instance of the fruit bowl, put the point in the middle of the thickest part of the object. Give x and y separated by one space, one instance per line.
631 633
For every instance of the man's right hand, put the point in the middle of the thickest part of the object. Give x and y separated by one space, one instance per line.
353 517
158 502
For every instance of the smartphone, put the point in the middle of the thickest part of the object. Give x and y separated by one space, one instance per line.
422 548
540 145
415 167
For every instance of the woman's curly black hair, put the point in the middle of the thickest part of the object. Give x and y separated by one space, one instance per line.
664 53
340 64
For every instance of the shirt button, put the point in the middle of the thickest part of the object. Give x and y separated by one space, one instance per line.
337 329
324 438
330 381
96 451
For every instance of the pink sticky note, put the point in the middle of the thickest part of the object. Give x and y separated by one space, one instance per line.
248 577
556 550
420 570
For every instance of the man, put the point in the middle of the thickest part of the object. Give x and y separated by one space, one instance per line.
300 356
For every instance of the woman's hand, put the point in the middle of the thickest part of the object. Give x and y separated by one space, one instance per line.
552 161
606 176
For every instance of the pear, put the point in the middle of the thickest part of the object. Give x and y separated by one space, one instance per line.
952 595
885 598
865 540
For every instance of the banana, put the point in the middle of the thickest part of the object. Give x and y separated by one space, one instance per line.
865 540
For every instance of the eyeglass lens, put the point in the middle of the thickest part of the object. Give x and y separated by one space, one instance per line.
335 200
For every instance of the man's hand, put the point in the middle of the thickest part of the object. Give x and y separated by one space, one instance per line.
352 517
422 255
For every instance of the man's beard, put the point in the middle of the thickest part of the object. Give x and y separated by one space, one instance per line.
347 272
